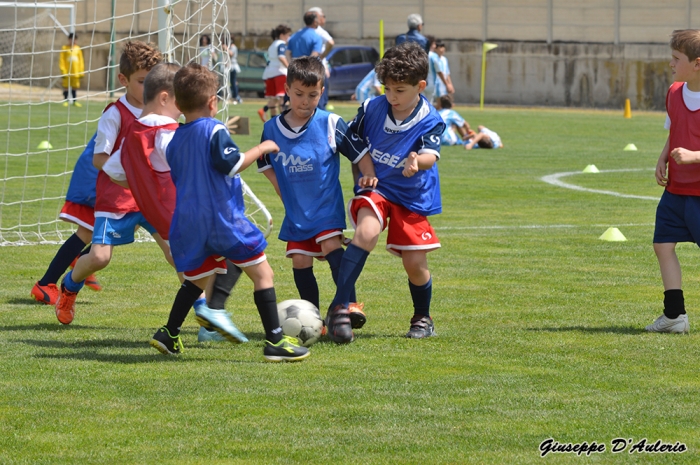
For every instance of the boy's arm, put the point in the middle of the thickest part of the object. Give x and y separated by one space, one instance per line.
660 173
684 156
114 168
228 159
427 154
369 176
354 149
272 177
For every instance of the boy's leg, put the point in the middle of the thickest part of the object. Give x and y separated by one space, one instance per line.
420 284
367 232
277 346
304 278
45 290
674 319
333 251
217 294
97 259
167 339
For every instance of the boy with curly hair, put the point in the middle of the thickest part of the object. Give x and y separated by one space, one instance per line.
402 131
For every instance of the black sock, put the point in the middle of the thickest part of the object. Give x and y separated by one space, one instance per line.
306 283
334 259
674 303
184 300
266 301
74 93
266 108
353 262
85 251
65 95
421 296
64 257
223 283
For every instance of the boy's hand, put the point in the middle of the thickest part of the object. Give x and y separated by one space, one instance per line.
269 147
660 172
411 166
685 156
367 181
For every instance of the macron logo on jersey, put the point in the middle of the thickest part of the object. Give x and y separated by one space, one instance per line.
228 150
293 163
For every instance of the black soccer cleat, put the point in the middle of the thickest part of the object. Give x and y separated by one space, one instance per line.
421 327
339 326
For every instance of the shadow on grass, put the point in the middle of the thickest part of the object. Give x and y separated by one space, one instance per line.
56 327
31 301
85 344
126 359
598 329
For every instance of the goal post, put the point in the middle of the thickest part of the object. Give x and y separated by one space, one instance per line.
41 134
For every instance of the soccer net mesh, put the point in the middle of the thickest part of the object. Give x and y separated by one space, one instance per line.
41 134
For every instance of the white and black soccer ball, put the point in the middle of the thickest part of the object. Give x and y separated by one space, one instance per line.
300 319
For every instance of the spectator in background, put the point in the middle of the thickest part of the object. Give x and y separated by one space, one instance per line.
275 74
72 67
305 42
233 69
205 51
435 72
328 44
415 26
443 87
368 87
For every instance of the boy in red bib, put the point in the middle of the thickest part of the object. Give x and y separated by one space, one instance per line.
678 213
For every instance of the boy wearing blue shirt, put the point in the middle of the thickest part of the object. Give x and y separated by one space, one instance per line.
209 222
402 131
305 173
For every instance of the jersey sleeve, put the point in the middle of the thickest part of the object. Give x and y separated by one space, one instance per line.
263 162
430 141
107 130
357 125
113 167
225 154
281 49
158 160
346 141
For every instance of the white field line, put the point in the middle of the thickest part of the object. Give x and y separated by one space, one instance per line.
555 180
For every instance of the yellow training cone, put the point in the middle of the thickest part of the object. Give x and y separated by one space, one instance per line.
628 109
630 148
44 145
591 169
613 235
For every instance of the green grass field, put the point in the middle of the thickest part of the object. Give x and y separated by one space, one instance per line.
540 331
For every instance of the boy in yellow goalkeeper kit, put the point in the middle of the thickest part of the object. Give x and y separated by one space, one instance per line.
72 67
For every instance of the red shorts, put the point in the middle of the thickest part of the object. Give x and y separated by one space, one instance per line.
407 230
81 215
312 247
217 264
274 87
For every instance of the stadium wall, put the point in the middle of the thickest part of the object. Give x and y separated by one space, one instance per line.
551 52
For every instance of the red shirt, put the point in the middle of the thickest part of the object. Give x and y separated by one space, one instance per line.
153 191
685 133
111 197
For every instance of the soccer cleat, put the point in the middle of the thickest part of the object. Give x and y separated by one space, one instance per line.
219 320
261 114
45 294
286 350
65 305
65 104
338 325
166 344
663 324
357 315
77 104
92 282
209 336
421 327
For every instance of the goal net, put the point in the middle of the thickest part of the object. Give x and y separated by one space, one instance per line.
42 134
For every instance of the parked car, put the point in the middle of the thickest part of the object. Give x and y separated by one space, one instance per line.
349 64
252 63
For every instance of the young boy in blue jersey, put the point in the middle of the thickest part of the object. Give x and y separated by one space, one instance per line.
305 173
402 131
209 222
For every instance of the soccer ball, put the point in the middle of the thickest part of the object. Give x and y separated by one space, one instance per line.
300 319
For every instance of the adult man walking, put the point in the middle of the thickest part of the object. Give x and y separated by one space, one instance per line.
415 26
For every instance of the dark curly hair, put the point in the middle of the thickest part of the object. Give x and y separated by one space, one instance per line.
194 85
406 62
280 30
137 56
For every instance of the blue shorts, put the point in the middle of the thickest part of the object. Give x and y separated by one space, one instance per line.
677 219
119 232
